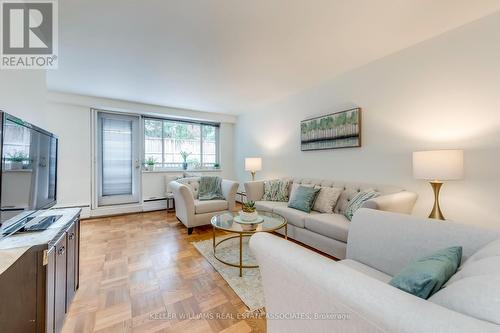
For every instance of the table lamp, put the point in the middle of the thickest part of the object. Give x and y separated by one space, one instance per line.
436 166
253 164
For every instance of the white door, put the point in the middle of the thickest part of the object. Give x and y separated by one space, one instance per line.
118 159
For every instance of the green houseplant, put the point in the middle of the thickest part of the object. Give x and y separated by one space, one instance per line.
150 163
16 160
184 155
249 211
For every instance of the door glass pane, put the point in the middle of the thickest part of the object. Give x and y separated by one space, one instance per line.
116 157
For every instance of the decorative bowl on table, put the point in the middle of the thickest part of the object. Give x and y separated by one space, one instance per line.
248 216
248 225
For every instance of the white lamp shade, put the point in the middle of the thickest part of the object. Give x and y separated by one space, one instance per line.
438 164
253 164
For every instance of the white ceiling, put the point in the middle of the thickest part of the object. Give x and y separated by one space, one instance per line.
233 55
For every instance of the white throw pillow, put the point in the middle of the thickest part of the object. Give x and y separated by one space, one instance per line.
475 296
327 199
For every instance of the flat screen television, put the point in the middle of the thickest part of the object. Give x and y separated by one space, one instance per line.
28 177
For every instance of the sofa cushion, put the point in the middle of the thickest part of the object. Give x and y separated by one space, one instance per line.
365 269
334 226
484 266
475 296
293 216
486 261
201 207
268 206
491 249
327 199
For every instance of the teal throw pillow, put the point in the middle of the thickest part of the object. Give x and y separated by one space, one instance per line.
303 198
425 276
357 201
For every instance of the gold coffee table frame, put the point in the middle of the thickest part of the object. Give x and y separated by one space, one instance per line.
234 227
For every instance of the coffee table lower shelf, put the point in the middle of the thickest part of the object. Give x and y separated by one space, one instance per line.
239 264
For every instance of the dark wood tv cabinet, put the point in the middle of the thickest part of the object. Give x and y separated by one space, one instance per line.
37 289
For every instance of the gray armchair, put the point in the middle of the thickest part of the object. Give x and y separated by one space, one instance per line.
193 212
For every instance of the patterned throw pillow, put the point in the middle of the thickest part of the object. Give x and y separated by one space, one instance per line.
327 199
358 201
276 190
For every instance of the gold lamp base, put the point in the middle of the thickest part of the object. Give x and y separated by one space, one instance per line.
253 175
436 210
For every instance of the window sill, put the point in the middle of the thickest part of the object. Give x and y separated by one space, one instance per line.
181 170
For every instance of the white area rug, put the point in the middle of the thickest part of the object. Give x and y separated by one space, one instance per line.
249 286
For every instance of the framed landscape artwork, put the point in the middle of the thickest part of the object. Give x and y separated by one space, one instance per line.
337 130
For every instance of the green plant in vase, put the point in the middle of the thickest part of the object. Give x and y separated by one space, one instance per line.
249 211
150 163
184 155
17 160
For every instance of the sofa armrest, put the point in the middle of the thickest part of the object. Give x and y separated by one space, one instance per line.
184 203
298 282
389 241
400 202
254 190
229 189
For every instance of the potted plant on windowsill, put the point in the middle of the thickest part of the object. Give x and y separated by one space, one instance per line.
184 155
16 160
150 164
216 166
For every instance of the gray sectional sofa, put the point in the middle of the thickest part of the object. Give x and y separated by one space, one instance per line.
328 232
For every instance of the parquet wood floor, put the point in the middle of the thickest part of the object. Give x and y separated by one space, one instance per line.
137 268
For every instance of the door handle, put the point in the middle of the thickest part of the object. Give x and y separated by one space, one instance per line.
71 236
61 251
137 164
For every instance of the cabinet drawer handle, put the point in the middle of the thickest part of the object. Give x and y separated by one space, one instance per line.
61 251
71 236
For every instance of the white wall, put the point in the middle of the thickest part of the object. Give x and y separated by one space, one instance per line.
23 93
443 93
72 125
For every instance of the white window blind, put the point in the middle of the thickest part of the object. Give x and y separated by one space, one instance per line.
117 164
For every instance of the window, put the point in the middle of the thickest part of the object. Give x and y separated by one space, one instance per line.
164 140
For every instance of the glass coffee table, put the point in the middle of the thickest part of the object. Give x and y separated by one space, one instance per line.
225 222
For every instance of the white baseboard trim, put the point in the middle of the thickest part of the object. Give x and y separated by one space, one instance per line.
146 206
115 210
149 206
